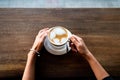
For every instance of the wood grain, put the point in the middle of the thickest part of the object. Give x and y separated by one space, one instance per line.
100 28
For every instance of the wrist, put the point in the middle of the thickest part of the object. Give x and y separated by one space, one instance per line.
37 46
34 48
31 58
34 52
88 55
31 54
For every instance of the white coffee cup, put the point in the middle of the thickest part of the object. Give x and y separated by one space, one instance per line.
58 35
57 40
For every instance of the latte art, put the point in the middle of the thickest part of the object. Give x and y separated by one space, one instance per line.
58 35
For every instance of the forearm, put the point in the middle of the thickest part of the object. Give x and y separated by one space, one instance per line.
98 70
29 73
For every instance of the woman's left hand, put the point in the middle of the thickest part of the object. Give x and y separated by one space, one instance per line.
39 39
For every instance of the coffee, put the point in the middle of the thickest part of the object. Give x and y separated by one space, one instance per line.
58 35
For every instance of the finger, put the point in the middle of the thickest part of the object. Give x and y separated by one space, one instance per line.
77 38
44 34
73 47
43 30
74 40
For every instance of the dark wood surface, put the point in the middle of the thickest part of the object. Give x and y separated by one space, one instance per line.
100 29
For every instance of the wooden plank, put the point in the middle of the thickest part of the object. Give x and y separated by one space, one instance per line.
100 28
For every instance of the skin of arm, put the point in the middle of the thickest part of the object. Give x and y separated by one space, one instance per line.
78 45
29 72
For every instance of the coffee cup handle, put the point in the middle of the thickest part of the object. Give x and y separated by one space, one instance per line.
67 46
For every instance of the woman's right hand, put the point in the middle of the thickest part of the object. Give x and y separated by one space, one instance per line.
77 44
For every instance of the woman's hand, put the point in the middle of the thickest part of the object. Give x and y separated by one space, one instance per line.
29 72
77 44
39 39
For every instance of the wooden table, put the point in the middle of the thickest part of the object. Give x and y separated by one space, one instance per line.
100 29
